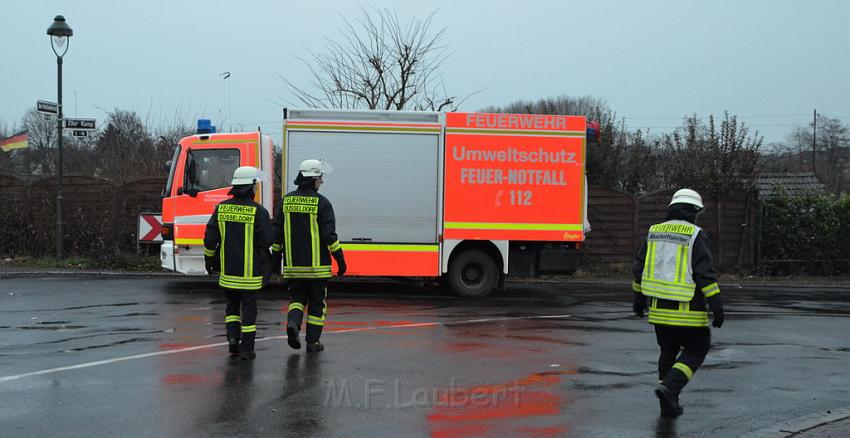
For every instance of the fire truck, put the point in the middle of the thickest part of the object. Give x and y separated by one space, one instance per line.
464 198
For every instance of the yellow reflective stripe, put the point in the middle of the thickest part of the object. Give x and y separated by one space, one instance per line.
247 253
334 246
679 318
647 288
512 226
235 282
636 286
296 306
314 239
307 268
679 263
250 237
382 247
232 318
287 236
711 290
661 285
654 319
189 241
249 328
244 280
671 284
221 231
686 370
306 275
209 252
315 320
650 260
679 314
276 247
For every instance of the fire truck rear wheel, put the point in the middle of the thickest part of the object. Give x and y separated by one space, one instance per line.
473 274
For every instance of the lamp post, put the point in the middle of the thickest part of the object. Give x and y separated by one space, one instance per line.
60 34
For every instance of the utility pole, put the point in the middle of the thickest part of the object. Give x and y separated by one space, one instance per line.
814 142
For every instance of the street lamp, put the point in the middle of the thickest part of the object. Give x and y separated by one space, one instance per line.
59 33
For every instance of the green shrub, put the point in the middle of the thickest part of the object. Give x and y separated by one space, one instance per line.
809 234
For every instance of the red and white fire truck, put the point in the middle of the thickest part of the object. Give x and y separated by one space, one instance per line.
466 198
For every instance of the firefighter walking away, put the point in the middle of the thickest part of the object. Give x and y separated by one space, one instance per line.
305 240
236 244
674 277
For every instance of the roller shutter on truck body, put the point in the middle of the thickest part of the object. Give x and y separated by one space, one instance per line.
385 187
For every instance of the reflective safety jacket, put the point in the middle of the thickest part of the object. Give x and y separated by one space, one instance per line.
672 265
239 233
305 235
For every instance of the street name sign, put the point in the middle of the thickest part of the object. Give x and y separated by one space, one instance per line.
80 124
47 107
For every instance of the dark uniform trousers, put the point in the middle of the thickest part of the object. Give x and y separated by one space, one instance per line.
309 295
685 345
241 316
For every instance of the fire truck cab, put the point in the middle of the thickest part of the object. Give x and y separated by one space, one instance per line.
198 180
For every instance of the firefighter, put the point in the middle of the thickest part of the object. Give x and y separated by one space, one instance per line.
673 273
236 243
305 240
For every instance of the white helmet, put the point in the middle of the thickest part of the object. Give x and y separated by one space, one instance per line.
246 175
315 168
687 196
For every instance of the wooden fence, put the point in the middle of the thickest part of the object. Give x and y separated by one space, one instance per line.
101 217
620 222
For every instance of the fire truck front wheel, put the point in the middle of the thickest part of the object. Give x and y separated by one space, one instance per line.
473 274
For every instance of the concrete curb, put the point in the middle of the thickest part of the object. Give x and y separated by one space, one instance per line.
806 425
83 273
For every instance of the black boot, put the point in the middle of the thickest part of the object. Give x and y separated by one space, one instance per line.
292 336
314 332
668 401
246 348
233 335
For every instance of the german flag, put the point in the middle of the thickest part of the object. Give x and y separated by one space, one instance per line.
17 141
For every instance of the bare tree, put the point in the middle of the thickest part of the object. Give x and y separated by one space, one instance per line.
715 161
833 160
831 153
39 158
125 151
379 63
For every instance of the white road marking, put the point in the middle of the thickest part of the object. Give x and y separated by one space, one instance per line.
221 344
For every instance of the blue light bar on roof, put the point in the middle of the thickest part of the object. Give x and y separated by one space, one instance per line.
205 126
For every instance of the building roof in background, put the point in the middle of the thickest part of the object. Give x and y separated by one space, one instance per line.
769 185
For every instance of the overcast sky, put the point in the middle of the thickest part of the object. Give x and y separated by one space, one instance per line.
769 61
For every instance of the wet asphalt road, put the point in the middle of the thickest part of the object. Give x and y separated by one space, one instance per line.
146 357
